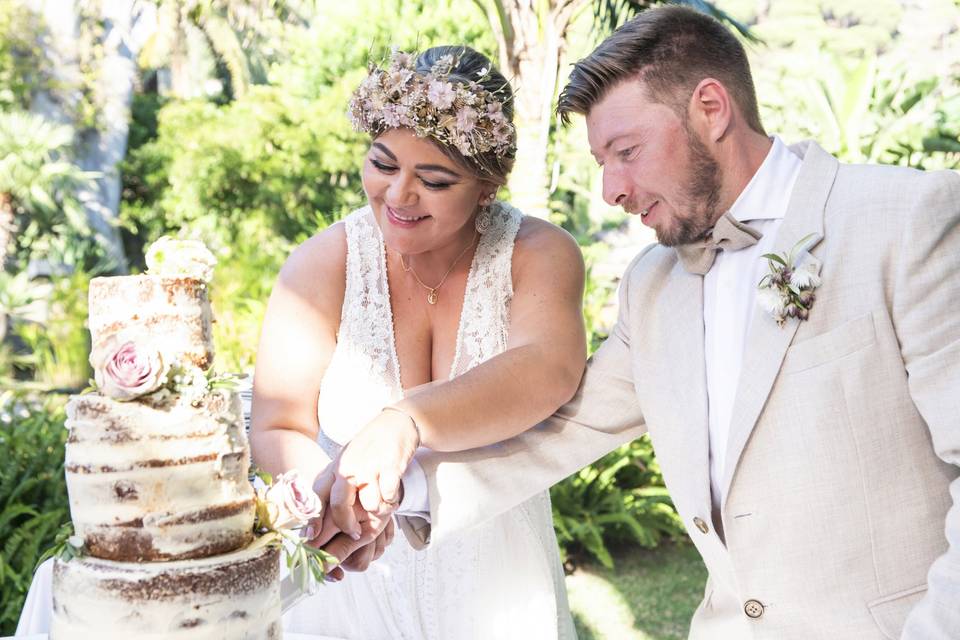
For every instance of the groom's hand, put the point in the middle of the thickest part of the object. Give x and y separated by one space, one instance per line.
361 558
355 553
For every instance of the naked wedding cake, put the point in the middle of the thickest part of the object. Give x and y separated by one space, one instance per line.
157 465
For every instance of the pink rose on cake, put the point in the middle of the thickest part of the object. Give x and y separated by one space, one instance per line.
289 503
125 369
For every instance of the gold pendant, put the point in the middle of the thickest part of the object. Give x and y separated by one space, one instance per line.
432 297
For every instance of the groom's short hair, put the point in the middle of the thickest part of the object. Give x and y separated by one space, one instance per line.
670 49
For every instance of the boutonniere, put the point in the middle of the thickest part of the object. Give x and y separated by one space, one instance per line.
788 290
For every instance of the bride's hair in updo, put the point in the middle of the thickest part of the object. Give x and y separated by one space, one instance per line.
473 66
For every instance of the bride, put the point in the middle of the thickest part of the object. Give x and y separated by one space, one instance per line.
435 281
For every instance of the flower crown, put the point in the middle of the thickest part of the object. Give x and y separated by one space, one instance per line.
457 114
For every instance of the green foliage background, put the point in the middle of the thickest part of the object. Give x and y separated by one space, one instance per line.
33 497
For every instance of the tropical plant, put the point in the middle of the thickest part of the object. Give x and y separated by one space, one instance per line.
241 286
40 216
37 186
17 294
870 83
20 51
58 342
272 157
33 496
237 34
620 499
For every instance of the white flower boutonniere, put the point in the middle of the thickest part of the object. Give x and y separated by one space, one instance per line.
788 290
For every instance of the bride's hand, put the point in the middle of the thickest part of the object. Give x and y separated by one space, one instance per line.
355 552
370 468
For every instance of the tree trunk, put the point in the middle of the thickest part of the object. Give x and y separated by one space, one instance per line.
6 229
106 146
531 37
533 70
102 148
6 242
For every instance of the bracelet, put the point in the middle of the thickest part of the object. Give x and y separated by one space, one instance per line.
416 427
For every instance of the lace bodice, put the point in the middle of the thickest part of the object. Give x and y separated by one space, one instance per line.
364 373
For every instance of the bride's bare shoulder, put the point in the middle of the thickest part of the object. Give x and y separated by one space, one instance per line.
541 246
316 270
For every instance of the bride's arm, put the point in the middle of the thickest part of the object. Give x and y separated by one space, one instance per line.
541 366
497 399
296 343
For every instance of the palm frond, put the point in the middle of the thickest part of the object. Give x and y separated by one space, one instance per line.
226 45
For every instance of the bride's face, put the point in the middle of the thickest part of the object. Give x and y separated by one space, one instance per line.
422 200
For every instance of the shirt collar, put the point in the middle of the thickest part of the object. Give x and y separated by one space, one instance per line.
767 194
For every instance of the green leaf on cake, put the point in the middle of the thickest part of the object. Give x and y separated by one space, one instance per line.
265 477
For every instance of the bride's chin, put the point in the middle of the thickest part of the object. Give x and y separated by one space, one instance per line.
402 248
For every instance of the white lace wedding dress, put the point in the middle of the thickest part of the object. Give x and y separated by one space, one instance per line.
501 580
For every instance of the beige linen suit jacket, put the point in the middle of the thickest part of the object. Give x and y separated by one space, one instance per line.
841 514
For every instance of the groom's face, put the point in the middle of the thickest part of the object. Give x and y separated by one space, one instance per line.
653 164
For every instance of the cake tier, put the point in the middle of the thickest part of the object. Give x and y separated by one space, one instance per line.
173 312
158 482
235 596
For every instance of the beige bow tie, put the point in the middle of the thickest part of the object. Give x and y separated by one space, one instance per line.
727 235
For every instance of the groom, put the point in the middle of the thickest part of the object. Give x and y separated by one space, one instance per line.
811 446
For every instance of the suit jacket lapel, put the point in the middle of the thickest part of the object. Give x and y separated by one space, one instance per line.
679 391
767 343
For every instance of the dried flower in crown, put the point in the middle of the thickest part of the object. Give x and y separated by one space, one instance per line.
461 115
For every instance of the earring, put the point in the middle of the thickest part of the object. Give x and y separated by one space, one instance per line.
484 215
482 221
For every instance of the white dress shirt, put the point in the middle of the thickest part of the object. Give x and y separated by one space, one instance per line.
416 498
729 292
729 295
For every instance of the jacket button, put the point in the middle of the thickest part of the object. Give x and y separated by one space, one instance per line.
753 608
700 524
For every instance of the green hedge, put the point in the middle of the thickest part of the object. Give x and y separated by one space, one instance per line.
33 495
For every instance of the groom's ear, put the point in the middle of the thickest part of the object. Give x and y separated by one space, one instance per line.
711 110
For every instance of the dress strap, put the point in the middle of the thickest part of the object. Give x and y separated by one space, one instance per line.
485 319
366 321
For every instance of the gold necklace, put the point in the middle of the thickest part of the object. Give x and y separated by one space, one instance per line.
432 296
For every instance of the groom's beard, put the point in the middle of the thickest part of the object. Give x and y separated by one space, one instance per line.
700 197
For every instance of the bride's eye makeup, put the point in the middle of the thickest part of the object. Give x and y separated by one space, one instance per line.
387 167
437 171
382 166
435 186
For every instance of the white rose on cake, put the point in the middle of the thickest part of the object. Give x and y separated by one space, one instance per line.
125 369
180 258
